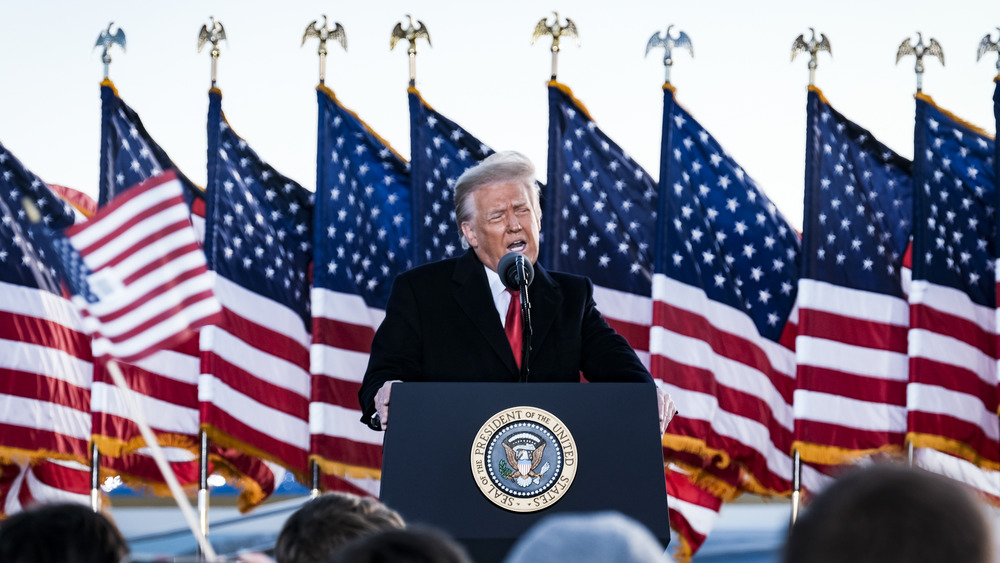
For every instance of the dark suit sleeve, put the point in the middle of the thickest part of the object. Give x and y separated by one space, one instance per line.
396 347
605 355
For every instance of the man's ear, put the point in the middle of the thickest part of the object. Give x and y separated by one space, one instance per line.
470 234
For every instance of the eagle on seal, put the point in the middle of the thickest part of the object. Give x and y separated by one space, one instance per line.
525 467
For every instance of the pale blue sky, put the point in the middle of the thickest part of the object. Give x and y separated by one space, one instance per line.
483 73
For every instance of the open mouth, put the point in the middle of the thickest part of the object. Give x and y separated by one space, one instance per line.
517 246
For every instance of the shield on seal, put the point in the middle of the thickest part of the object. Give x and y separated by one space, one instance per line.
524 462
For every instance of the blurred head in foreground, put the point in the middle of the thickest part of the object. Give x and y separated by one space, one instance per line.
413 545
60 533
889 514
599 537
326 523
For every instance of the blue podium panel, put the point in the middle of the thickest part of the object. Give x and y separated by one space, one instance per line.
438 432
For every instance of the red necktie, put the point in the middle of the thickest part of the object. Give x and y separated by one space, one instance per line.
512 326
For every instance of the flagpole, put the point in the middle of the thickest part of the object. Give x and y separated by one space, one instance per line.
203 494
314 473
796 485
95 478
161 460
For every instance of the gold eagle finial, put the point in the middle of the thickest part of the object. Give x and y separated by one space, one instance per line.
813 47
669 43
106 40
920 50
556 30
324 33
411 34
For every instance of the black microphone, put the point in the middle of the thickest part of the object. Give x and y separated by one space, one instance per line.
513 268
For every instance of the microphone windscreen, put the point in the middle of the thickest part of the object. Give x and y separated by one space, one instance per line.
507 269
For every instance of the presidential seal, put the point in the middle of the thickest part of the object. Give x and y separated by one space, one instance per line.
524 459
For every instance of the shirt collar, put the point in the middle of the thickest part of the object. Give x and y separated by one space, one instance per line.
496 284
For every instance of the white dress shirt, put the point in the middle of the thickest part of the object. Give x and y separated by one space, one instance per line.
501 297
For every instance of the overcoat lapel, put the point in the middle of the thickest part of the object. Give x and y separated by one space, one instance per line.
546 299
472 293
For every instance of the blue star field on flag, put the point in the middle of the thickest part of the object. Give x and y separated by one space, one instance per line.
954 237
860 197
720 232
128 154
599 208
363 224
440 151
23 259
259 223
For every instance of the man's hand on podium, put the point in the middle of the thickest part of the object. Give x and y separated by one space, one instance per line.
382 402
666 403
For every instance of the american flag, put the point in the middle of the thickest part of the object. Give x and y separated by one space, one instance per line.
598 217
142 280
42 481
364 237
255 384
166 383
952 392
693 511
45 358
723 291
440 151
851 350
129 155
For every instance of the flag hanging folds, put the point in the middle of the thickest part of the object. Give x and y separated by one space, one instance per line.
851 349
952 392
364 238
723 292
129 155
598 217
166 383
43 481
693 512
440 150
255 384
141 282
45 358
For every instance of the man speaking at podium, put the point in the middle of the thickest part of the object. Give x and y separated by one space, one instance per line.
454 320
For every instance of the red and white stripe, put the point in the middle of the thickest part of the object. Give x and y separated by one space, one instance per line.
165 387
255 384
693 511
46 372
343 328
45 481
733 387
852 366
630 315
149 273
985 482
952 393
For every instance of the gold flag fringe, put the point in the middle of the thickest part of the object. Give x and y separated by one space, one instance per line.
832 455
116 447
953 447
339 469
20 456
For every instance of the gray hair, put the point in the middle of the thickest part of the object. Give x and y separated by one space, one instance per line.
500 167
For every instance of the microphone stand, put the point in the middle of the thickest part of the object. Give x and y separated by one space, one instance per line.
525 322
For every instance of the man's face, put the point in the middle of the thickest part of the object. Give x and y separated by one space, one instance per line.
505 220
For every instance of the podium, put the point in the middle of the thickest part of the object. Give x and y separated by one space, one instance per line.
429 457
